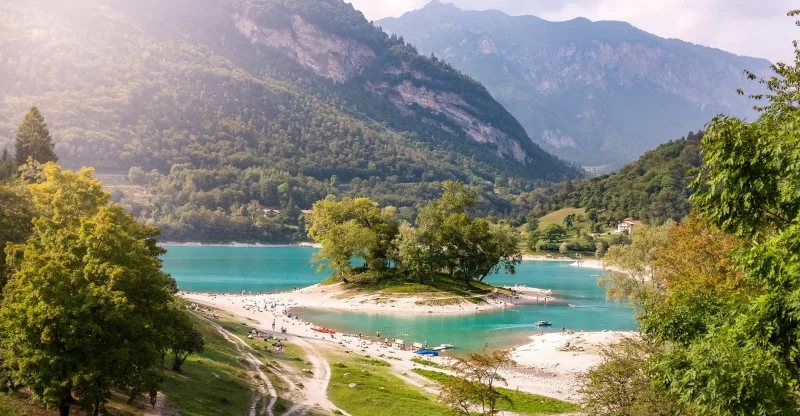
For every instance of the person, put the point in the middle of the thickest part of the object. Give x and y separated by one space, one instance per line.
563 329
377 334
273 324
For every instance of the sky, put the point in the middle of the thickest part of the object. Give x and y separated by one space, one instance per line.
757 28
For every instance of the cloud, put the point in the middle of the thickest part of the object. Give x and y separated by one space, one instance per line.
745 27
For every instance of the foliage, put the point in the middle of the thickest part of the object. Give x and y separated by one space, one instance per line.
212 113
84 308
475 377
622 386
631 271
34 140
7 166
655 188
353 228
184 339
447 239
16 221
554 233
740 355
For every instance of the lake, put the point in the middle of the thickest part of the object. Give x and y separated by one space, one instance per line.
265 269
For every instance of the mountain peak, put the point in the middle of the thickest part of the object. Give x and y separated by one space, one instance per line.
438 5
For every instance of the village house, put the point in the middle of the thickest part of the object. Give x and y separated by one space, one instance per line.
626 226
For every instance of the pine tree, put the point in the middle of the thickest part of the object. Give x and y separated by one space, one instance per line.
34 140
7 166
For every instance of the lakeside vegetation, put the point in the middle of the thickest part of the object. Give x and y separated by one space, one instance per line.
447 241
716 294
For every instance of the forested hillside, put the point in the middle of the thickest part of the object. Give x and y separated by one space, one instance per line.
655 188
202 94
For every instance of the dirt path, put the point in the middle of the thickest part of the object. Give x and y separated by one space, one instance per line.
266 387
158 410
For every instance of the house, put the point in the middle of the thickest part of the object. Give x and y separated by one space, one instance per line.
626 226
306 211
271 212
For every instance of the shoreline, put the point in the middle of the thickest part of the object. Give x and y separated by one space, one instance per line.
336 297
235 244
543 366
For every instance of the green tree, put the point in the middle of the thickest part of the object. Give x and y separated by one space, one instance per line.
34 140
554 232
600 250
83 311
184 339
16 221
569 221
533 223
7 166
631 273
743 356
353 228
622 385
474 382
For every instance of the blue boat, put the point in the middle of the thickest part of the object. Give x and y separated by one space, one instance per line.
428 352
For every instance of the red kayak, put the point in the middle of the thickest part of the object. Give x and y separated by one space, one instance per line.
324 330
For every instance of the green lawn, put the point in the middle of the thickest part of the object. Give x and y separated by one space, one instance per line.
377 391
214 382
523 403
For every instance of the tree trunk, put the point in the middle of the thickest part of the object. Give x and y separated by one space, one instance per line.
63 407
66 401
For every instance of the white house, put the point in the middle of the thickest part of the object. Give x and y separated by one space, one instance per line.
626 226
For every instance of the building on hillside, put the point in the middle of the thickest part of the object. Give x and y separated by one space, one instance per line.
272 212
626 226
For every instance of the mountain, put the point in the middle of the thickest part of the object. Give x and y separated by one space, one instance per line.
305 86
594 93
654 188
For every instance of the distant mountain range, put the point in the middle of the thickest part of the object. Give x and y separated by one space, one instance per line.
594 93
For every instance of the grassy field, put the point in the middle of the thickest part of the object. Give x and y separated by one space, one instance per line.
214 382
557 217
523 403
377 391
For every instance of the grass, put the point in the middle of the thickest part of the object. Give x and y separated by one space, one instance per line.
211 383
422 361
377 391
523 403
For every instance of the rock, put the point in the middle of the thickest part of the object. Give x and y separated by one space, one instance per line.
352 385
346 374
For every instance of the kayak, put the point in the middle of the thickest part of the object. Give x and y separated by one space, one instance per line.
324 330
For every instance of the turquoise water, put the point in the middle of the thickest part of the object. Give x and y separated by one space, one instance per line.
231 269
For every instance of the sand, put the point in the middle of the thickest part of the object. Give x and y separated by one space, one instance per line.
541 369
338 297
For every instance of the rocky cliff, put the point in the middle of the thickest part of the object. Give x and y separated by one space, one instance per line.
419 88
591 92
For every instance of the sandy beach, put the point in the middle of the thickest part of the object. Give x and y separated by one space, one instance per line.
336 296
541 369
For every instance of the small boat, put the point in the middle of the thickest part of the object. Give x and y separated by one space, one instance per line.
428 352
543 323
323 330
571 305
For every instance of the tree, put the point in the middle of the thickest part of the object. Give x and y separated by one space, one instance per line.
631 270
533 240
353 228
743 357
474 381
7 166
99 274
563 248
16 216
533 223
569 221
137 176
554 232
621 384
184 340
34 140
600 250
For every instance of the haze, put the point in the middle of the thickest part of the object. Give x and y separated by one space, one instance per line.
758 29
